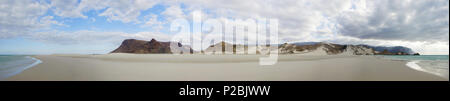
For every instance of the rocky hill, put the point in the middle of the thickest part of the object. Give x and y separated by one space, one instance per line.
221 48
321 48
392 50
228 48
146 47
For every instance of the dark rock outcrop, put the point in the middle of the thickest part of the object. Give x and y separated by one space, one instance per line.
144 47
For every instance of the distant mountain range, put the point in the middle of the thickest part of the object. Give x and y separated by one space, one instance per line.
333 49
394 49
306 48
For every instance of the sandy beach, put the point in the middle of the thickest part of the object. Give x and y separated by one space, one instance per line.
166 67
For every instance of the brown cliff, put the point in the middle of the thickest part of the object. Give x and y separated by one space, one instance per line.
144 47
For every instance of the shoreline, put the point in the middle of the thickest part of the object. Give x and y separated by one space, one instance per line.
37 61
132 67
20 69
414 65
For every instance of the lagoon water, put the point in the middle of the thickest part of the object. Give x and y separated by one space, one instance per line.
13 64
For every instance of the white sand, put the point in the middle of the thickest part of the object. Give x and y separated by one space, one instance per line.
166 67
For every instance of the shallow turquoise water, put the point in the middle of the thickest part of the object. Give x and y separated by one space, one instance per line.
13 64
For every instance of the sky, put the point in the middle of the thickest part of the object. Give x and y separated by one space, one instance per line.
99 26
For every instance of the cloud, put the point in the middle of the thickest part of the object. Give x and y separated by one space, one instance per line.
126 10
417 20
298 18
115 10
19 17
67 8
153 22
157 22
92 37
48 20
173 12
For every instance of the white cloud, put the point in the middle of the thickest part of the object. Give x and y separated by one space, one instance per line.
115 10
93 37
416 20
298 18
125 10
48 20
67 8
173 12
153 22
20 17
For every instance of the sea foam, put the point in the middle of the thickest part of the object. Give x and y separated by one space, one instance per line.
433 64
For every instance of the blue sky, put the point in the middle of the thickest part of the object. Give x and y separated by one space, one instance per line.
99 26
100 23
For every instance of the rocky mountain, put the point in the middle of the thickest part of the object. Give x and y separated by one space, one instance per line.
228 48
305 48
312 48
221 48
146 47
322 48
392 50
